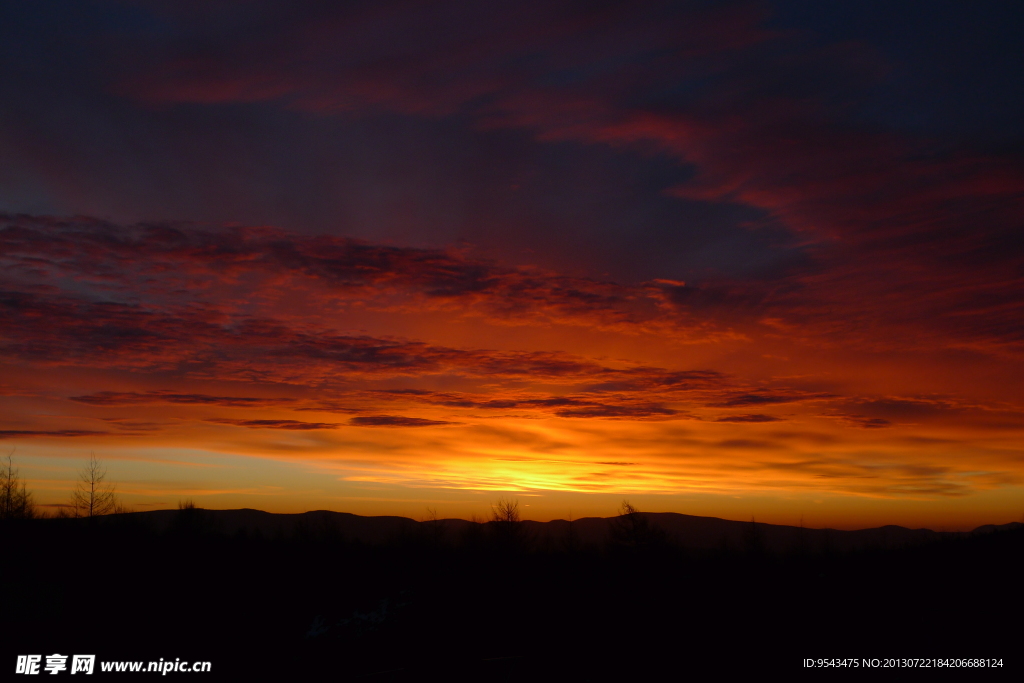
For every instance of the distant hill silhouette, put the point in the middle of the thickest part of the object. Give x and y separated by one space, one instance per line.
689 531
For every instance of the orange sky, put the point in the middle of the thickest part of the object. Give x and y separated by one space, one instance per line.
736 260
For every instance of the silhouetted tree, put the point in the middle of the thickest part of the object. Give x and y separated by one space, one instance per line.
505 511
633 529
15 500
93 495
571 541
753 538
436 526
507 525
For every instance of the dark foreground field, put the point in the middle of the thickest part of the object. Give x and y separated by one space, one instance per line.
460 601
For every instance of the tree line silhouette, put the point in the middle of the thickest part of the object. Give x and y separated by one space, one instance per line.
92 496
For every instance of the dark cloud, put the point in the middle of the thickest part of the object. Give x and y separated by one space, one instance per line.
26 433
754 418
394 421
747 444
588 404
123 398
882 412
651 379
908 408
291 425
765 398
863 421
620 411
128 425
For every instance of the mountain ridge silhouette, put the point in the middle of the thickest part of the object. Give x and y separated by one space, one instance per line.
689 531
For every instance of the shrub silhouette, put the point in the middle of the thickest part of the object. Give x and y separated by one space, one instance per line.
190 520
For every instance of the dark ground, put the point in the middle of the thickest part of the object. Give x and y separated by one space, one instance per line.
489 603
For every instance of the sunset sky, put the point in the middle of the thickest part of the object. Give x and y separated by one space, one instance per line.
721 258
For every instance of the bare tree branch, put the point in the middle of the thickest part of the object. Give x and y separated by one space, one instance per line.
15 500
93 495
